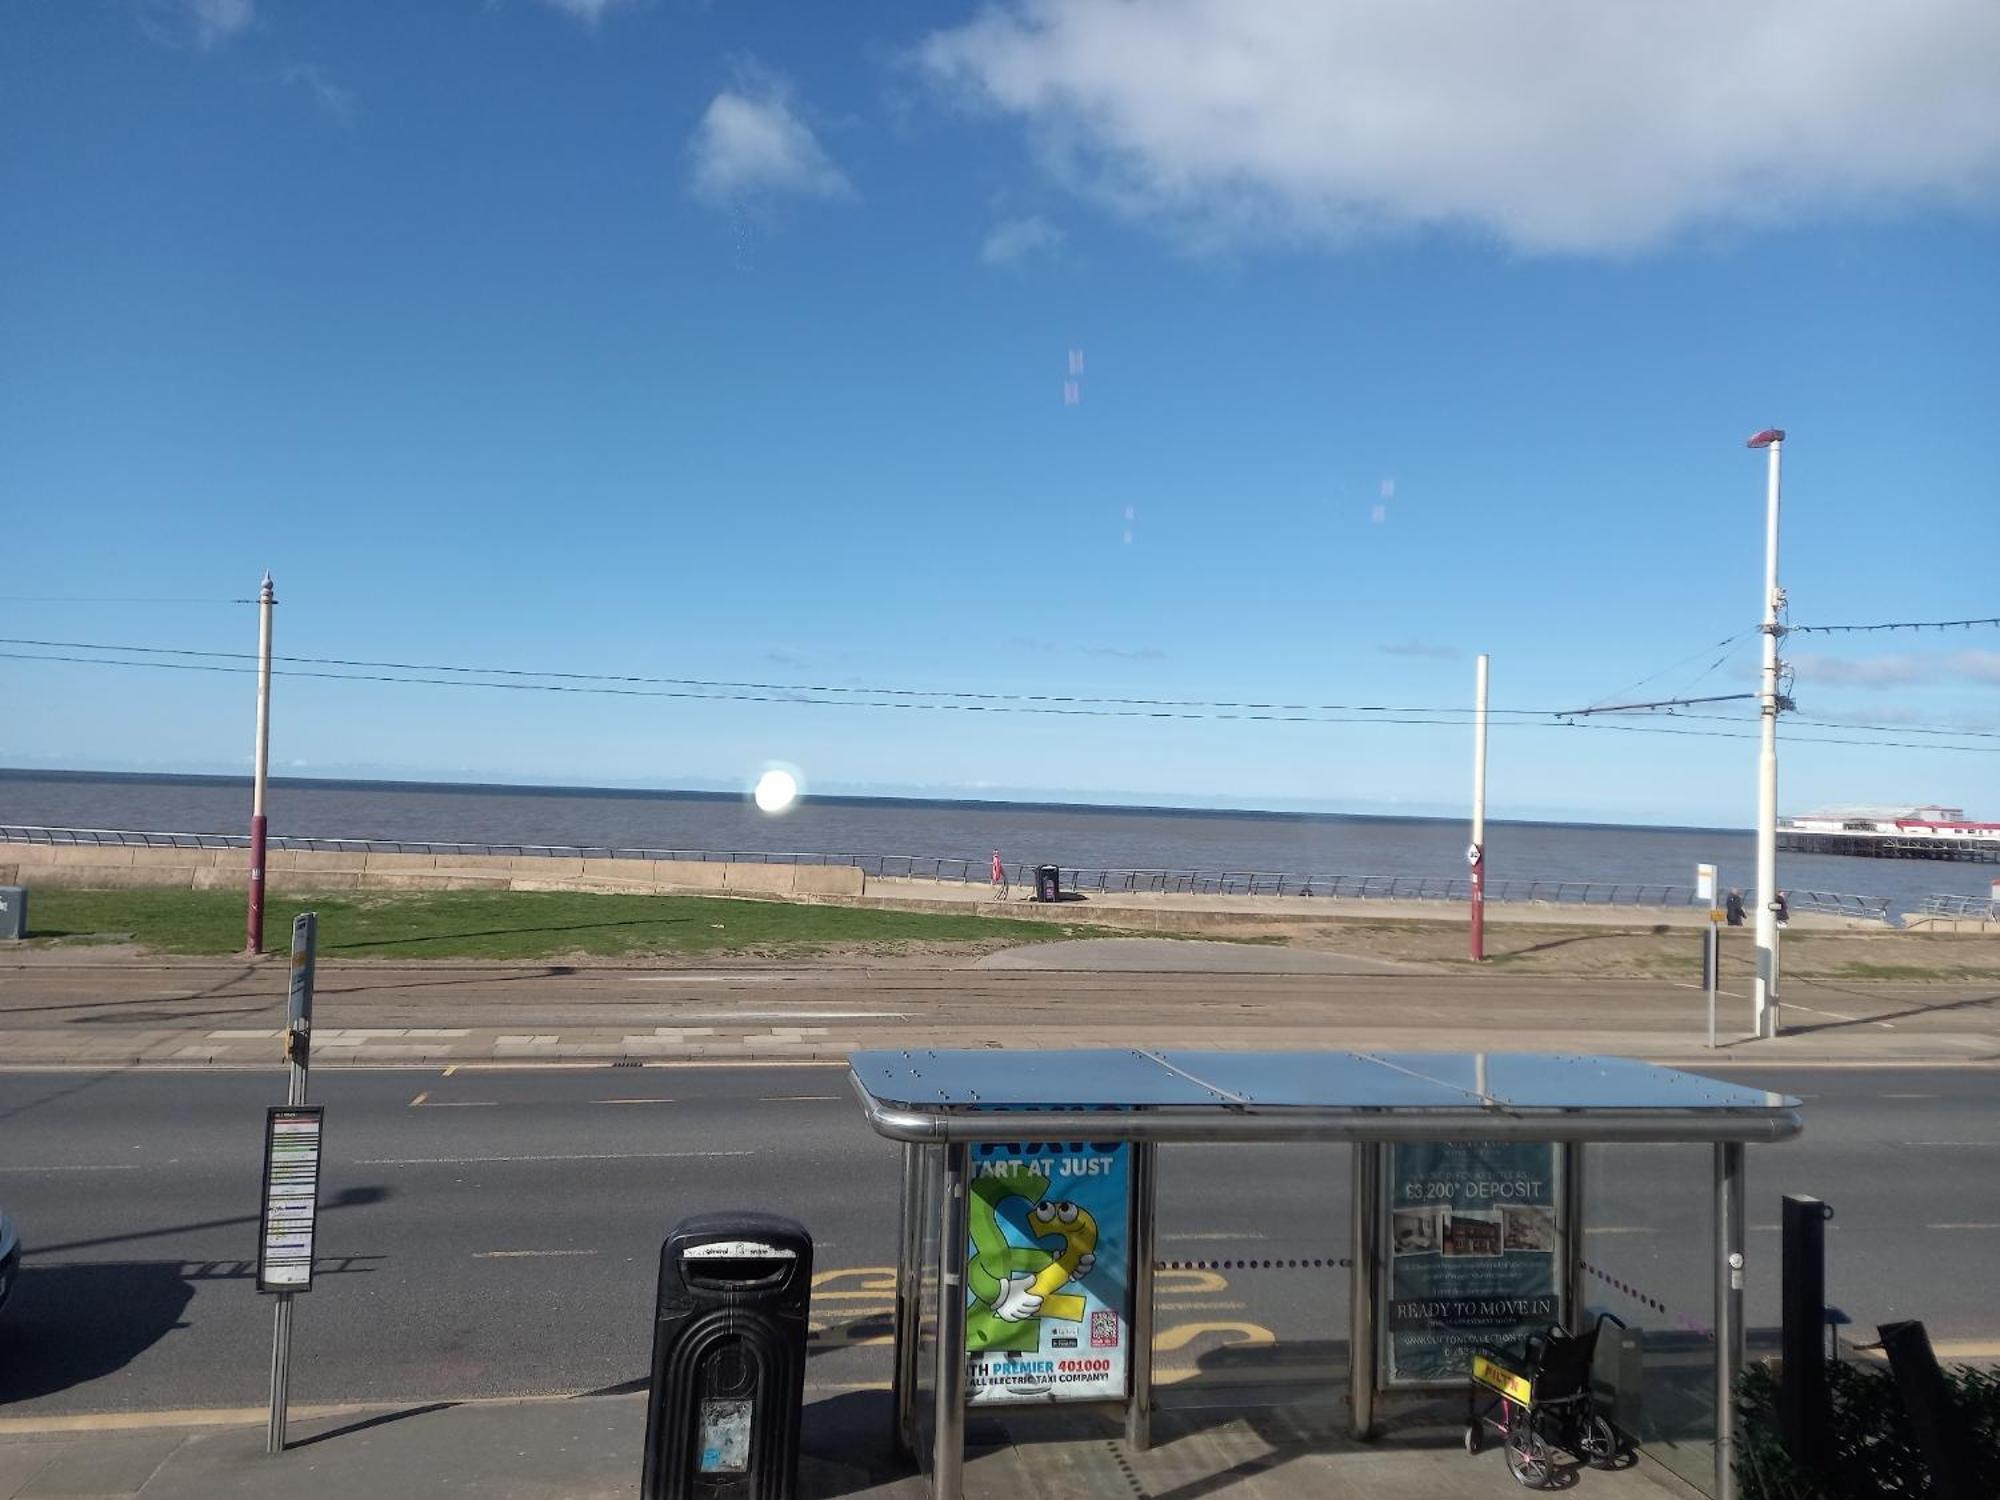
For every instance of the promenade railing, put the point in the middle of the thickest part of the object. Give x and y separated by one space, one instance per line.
1981 908
1078 880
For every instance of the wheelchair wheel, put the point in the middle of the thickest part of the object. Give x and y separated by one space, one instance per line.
1597 1443
1528 1457
1474 1438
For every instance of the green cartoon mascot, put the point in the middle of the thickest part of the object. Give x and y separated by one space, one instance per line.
1015 1286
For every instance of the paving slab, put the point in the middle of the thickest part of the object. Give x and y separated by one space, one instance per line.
585 1448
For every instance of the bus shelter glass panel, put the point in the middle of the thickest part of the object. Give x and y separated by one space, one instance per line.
1252 1269
1648 1257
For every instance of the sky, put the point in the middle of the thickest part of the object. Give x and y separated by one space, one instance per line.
1046 350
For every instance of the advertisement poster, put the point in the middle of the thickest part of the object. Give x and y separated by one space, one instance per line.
1046 1274
1475 1241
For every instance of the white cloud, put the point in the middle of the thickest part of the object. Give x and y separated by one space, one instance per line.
1555 125
331 97
590 12
751 142
1904 670
199 23
1014 240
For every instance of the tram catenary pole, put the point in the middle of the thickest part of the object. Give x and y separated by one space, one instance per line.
1764 989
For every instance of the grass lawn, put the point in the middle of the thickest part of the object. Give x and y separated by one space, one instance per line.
505 924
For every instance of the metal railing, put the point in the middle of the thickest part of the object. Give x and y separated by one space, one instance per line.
1980 908
1079 880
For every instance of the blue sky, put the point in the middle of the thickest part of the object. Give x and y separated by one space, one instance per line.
733 342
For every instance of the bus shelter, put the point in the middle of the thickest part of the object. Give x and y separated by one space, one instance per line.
963 1116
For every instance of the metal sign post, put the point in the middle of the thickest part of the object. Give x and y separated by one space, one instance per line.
1711 941
291 1178
1475 854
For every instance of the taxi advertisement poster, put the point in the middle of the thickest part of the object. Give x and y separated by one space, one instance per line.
1046 1275
1474 1248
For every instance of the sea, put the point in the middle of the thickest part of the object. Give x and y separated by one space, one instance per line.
1148 838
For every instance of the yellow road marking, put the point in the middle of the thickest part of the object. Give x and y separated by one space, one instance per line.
1188 1283
877 1281
450 1070
1183 1334
420 1098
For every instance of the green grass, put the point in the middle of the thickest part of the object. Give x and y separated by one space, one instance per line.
503 924
1912 971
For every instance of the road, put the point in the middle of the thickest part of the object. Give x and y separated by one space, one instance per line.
496 1231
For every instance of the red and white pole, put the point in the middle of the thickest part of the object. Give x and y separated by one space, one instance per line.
253 934
1476 854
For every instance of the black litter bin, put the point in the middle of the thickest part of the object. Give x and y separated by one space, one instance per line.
1048 882
729 1359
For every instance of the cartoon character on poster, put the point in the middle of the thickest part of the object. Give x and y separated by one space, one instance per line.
1045 1273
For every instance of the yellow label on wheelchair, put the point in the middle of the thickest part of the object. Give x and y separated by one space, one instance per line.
1499 1378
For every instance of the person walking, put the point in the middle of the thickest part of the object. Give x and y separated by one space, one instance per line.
999 877
1783 909
1733 908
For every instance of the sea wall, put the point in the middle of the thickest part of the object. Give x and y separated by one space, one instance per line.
103 866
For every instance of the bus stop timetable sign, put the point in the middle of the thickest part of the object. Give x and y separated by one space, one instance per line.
291 1199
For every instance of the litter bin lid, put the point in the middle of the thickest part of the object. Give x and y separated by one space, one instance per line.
738 1236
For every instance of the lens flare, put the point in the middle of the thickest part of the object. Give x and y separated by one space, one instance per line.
775 791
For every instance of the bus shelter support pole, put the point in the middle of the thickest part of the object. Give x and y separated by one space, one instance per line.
909 1274
1139 1404
1572 1220
1729 1194
948 1461
1364 1283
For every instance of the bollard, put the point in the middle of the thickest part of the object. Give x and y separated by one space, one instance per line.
13 912
1943 1434
729 1359
1805 1417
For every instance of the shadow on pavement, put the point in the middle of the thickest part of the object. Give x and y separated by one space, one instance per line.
68 1325
844 1445
380 1419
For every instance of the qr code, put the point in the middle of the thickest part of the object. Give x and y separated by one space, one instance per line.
1104 1329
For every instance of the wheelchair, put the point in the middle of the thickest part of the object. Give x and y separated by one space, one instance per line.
1539 1399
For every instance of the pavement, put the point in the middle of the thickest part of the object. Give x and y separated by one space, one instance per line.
583 1449
59 1009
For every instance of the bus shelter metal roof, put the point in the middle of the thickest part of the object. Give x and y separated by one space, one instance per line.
946 1100
1132 1093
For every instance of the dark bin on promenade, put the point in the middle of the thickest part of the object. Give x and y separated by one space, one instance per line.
13 912
729 1359
1048 882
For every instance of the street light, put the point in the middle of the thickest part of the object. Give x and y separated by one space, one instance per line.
1765 986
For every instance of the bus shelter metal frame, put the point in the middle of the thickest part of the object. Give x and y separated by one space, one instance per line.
939 1103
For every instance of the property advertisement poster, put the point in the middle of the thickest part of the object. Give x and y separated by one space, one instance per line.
1047 1273
1474 1253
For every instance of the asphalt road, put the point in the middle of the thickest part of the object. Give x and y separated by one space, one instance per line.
496 1231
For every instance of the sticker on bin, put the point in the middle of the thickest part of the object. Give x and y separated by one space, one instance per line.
739 1250
725 1437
